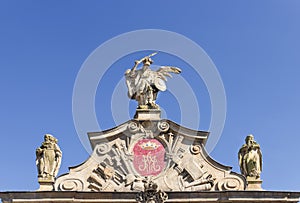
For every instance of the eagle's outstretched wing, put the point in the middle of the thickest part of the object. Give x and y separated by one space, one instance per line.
164 71
161 76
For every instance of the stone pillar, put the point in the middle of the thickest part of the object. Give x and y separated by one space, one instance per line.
254 183
147 114
46 184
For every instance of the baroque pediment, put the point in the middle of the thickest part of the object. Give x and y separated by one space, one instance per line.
136 153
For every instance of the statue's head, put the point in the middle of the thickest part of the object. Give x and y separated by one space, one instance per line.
47 137
249 139
50 138
147 61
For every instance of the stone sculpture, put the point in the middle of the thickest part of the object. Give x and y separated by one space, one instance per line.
144 84
250 158
48 158
173 157
151 194
149 155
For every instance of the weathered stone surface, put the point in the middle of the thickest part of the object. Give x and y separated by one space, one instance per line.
173 197
48 160
151 194
254 183
46 184
132 155
250 161
250 158
144 84
147 114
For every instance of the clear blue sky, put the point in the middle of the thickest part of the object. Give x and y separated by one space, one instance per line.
255 46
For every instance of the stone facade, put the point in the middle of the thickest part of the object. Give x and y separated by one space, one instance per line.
149 160
136 153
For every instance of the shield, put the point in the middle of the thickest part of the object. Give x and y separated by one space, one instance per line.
160 84
149 156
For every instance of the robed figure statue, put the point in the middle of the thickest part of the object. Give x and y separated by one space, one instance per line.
48 158
250 158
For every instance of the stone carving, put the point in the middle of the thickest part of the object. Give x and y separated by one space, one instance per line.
133 127
250 158
48 158
163 126
148 152
103 148
151 194
144 84
231 183
149 157
190 173
104 177
195 149
130 156
71 185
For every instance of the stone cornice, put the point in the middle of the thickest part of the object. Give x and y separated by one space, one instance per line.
116 197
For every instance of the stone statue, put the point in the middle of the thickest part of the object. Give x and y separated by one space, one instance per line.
250 158
144 84
48 158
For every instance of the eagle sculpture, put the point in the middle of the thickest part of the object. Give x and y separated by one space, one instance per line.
144 84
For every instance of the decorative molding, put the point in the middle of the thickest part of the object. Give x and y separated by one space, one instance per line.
71 184
173 156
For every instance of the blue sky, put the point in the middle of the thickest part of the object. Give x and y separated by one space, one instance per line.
255 46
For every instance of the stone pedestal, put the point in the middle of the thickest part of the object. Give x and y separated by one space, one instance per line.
147 114
254 183
46 184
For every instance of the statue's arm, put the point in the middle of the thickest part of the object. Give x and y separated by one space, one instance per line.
136 63
241 155
58 152
39 160
260 159
58 155
38 152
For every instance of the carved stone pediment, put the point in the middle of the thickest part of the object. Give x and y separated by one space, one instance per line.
134 154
